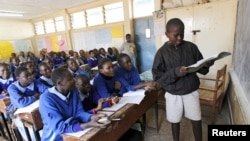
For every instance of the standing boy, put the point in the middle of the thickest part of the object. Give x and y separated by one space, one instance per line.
129 48
61 110
169 69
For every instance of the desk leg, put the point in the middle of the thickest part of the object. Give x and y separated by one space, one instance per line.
156 116
6 126
27 132
144 123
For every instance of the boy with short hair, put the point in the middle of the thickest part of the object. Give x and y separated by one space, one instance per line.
23 92
128 75
73 67
61 110
91 100
45 72
170 70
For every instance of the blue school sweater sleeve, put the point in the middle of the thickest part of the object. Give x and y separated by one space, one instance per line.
128 79
19 99
101 87
40 86
61 117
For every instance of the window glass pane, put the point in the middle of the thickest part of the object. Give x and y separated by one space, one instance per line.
49 26
78 20
143 8
94 16
59 23
116 8
39 28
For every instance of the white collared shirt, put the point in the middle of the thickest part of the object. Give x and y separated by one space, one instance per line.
48 80
23 89
60 95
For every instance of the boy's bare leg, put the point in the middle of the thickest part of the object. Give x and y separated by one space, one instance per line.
197 130
175 131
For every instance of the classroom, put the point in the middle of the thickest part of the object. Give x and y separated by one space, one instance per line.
51 27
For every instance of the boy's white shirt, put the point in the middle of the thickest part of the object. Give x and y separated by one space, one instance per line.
48 80
22 89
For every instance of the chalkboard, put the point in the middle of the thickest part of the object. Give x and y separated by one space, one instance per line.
241 54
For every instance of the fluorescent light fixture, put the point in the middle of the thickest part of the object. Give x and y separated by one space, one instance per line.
11 13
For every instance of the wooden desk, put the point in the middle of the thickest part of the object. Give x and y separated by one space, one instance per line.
32 119
129 114
4 103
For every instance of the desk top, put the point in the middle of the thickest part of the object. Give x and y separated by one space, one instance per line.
129 114
4 103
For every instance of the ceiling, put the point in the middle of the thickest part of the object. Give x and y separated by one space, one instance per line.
35 8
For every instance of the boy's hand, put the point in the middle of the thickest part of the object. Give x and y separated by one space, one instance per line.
117 85
181 71
100 102
115 99
37 95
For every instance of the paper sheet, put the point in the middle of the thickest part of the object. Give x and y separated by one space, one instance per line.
79 134
139 92
28 109
106 112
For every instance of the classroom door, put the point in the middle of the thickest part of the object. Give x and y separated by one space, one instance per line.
145 46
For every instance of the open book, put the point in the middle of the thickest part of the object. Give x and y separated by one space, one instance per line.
201 63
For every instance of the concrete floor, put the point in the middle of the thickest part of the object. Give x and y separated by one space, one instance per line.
186 134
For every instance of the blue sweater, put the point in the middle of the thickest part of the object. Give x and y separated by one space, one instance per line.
90 101
4 84
61 114
92 62
105 86
24 96
78 72
112 57
128 79
46 81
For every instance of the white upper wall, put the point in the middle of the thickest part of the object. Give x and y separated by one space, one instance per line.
11 29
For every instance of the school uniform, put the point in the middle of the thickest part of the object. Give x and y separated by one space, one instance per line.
57 62
21 97
4 84
84 59
128 79
13 68
112 57
46 81
78 72
61 114
92 62
90 100
100 56
105 86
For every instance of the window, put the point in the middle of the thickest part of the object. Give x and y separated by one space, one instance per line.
59 23
49 26
94 16
143 8
116 8
78 20
39 28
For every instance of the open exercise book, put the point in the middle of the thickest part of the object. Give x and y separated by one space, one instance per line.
195 67
133 97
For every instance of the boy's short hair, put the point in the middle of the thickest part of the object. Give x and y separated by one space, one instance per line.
43 64
102 62
127 35
120 56
174 22
19 70
4 65
81 77
59 74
